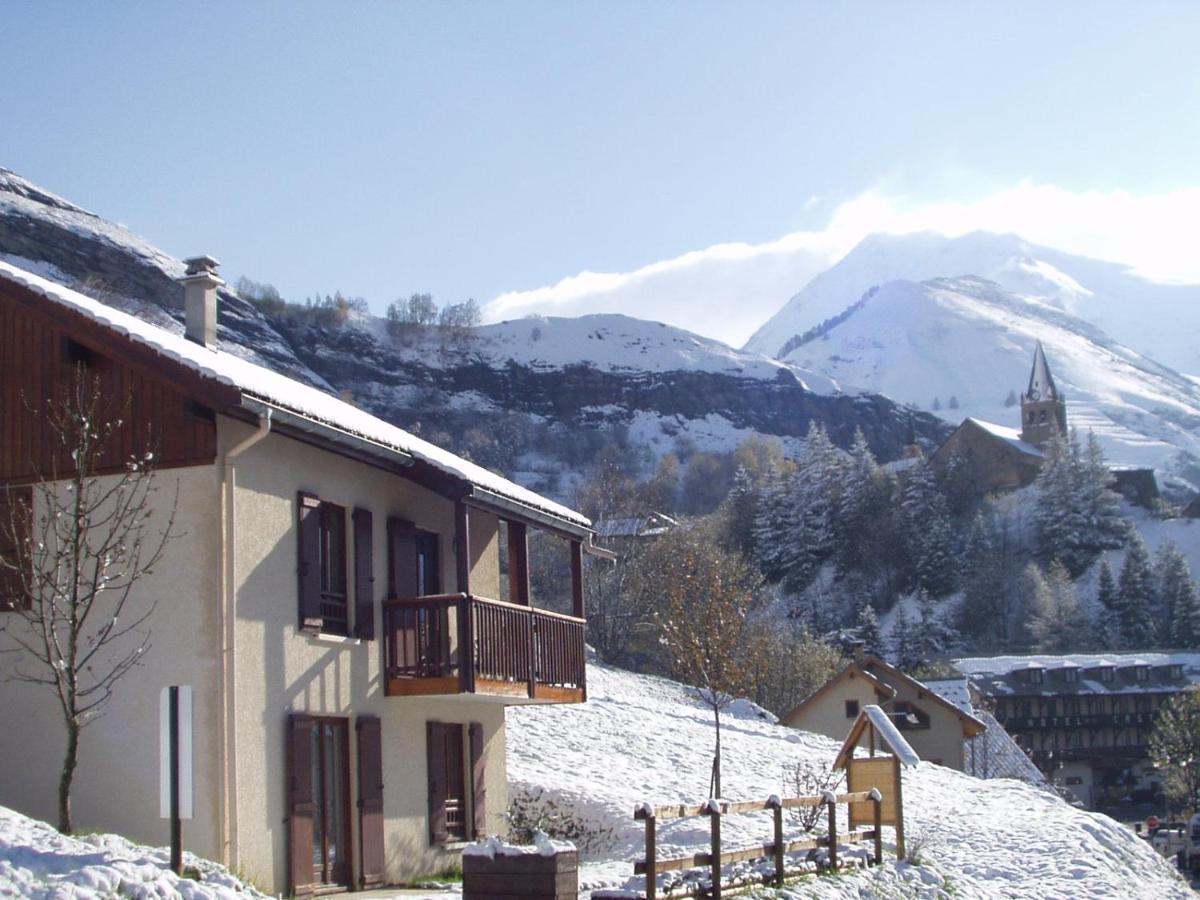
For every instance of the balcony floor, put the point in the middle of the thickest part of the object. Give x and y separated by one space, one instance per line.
508 692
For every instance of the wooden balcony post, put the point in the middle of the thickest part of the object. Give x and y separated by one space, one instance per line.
462 548
466 645
577 609
518 563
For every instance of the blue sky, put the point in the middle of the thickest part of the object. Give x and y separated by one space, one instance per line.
480 149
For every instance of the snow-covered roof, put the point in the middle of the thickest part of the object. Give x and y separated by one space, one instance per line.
999 675
1009 435
275 389
955 690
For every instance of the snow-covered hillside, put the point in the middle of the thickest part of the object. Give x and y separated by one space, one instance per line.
1159 320
647 739
37 862
968 344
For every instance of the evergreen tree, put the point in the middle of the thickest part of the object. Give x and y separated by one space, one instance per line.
1011 399
741 510
1179 609
904 643
1058 623
1108 628
815 495
860 504
1077 516
868 630
991 609
775 546
953 404
933 637
928 534
957 484
1136 600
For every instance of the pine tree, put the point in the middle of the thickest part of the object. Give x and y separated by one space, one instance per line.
991 607
957 484
1058 624
1104 526
1179 609
775 547
1011 399
1136 599
1108 628
933 637
904 652
815 495
741 510
928 534
868 630
860 504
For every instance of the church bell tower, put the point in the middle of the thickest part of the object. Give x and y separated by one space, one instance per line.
1043 408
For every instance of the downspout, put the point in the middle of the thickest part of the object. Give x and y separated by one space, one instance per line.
228 839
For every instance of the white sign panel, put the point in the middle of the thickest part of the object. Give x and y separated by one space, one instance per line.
185 752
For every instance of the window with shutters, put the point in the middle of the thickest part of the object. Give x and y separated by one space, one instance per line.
457 798
324 602
414 560
16 505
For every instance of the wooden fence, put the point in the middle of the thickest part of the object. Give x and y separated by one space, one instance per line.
778 848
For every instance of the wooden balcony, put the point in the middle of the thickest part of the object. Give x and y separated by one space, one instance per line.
463 644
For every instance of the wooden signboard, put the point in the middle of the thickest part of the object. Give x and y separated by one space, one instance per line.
883 774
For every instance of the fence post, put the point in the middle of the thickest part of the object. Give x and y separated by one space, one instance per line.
645 812
713 810
776 806
831 803
877 799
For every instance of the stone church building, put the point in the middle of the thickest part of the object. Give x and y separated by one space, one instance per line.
1000 458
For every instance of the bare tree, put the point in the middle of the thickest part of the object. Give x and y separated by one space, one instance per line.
78 543
703 596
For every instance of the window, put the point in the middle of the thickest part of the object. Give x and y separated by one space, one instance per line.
319 801
1141 673
322 556
1033 676
909 717
16 506
1106 673
1071 675
414 560
851 709
457 803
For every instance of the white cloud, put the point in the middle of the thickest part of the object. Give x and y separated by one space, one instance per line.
726 291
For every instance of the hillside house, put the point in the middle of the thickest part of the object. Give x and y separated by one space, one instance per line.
1084 719
934 726
328 600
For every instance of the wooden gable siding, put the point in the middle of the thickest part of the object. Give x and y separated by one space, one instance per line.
34 366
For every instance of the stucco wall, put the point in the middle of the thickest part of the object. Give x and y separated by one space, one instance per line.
826 714
942 742
116 784
282 670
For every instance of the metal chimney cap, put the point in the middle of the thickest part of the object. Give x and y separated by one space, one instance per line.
198 265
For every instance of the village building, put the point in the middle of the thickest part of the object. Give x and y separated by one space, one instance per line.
331 597
1085 719
935 727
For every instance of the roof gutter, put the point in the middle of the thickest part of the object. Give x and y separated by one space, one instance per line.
284 416
493 502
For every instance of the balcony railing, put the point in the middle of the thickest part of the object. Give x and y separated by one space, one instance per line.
462 644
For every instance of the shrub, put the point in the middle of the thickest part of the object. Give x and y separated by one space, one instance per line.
531 809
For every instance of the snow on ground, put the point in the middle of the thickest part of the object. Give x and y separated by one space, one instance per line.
38 862
640 738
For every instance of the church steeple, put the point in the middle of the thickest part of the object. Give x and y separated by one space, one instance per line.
1043 408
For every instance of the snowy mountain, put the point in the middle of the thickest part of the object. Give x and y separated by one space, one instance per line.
981 839
1159 320
535 398
966 343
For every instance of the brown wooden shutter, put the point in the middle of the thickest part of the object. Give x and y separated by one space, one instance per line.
370 801
364 575
300 804
310 562
402 559
478 782
435 742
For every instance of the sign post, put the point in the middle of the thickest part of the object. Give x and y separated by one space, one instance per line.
175 765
